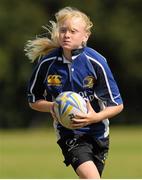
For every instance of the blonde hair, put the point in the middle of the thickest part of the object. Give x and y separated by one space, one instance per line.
42 45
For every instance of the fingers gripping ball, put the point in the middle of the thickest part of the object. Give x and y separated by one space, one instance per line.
67 105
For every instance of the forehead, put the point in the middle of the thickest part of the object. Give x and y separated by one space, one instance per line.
73 23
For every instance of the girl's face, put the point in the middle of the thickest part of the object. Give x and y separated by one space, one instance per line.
72 34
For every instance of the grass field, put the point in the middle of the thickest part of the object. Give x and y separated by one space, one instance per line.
34 154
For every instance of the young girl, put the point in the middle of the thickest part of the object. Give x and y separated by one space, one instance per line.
67 64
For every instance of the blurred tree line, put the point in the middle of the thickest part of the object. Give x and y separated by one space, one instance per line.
116 35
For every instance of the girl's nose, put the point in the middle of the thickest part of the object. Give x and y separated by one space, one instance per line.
67 34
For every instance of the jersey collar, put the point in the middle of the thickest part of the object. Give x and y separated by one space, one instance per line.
75 54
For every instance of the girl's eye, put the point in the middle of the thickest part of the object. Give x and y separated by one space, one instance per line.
73 31
63 30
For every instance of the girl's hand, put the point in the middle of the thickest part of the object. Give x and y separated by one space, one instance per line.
82 119
52 112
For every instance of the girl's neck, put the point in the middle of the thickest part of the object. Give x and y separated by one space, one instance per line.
67 55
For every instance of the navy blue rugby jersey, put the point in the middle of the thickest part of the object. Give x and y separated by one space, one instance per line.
88 74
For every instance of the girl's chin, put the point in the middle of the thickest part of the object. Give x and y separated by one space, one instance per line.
69 48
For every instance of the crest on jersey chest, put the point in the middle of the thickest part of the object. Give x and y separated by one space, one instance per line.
89 82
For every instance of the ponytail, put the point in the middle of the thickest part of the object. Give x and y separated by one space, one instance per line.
42 45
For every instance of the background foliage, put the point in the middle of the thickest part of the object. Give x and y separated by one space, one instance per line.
116 35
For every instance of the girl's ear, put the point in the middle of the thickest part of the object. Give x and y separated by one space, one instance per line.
85 39
84 44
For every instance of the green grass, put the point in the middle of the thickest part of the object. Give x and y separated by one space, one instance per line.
35 154
125 156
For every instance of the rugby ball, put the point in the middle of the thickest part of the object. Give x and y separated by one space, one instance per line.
67 105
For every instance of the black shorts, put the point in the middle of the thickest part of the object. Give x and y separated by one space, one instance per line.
77 150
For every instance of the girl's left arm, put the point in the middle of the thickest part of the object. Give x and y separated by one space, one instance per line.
106 113
82 119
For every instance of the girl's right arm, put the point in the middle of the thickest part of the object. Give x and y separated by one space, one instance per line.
42 105
36 89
